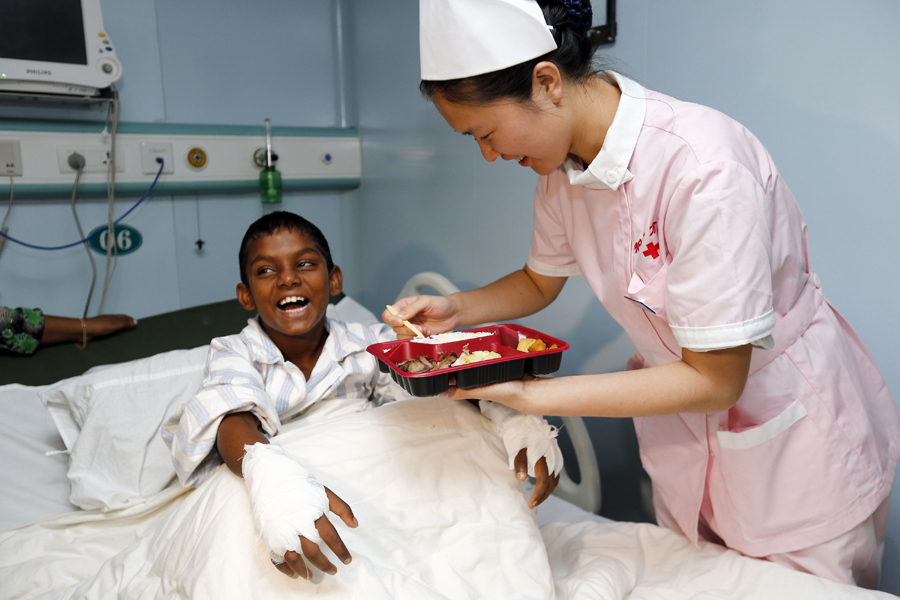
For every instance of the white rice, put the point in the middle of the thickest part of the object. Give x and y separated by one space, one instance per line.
451 336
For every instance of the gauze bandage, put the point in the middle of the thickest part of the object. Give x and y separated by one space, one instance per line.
520 430
286 500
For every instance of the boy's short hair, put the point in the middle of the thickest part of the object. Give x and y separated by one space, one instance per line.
274 221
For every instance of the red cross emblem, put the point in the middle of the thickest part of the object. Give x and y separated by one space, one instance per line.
652 250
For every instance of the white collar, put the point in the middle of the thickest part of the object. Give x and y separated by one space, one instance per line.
609 169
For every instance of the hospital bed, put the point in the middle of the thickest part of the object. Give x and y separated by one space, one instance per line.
444 520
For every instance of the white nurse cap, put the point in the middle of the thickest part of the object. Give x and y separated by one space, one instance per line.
462 38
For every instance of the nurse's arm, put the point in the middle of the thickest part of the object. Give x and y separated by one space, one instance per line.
700 382
519 294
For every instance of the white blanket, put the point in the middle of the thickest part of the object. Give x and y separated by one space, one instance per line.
440 515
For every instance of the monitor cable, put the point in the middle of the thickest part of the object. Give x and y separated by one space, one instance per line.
98 232
3 228
77 162
111 245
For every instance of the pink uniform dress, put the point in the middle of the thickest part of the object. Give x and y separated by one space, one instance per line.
687 234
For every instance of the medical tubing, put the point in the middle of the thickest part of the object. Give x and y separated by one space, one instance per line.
87 247
3 228
90 237
112 250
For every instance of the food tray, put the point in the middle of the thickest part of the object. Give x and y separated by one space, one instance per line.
503 339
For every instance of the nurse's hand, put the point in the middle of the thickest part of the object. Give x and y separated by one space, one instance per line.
510 393
430 314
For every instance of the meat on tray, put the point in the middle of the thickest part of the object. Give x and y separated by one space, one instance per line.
423 364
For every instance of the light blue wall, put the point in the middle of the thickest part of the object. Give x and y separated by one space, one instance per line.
817 83
222 62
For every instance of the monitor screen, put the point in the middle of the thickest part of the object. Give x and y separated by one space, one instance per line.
43 30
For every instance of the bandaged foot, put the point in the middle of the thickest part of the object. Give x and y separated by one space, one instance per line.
520 430
286 500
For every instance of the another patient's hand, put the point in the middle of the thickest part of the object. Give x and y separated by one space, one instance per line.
294 565
545 482
102 325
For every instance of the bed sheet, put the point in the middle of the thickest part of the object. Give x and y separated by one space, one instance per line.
33 474
589 557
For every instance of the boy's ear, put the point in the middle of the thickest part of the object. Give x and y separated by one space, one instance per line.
245 297
336 281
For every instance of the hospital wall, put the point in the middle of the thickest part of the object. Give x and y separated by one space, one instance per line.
204 62
816 83
818 87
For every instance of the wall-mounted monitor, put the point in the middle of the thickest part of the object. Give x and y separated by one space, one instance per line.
55 47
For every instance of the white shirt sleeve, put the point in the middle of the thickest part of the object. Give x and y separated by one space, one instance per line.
233 383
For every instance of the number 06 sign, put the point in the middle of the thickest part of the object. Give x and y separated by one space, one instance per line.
125 238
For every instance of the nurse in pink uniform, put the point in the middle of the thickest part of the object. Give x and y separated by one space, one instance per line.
763 422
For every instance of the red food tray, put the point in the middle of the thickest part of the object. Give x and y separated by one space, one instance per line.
503 339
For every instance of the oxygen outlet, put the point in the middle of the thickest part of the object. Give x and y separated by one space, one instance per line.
196 157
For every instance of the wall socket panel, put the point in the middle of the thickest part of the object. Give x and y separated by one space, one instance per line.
150 151
11 158
96 158
207 160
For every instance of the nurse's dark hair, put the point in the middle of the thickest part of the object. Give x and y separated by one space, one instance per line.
278 221
574 54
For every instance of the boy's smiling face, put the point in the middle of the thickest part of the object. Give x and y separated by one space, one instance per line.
289 286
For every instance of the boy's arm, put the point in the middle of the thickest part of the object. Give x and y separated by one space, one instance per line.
271 474
236 431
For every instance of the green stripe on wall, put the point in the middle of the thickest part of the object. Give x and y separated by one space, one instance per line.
173 188
174 128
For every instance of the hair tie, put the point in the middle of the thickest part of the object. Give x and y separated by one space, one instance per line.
580 15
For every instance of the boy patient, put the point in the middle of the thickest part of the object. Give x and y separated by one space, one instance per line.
293 362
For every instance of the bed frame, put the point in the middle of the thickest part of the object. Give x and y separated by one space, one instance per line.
586 493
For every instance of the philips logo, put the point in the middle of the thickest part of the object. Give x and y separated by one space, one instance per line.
38 72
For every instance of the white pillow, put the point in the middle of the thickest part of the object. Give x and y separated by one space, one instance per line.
109 419
349 310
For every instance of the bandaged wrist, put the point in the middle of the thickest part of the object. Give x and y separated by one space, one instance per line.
520 430
286 500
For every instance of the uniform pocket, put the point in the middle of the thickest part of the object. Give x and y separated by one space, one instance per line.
650 295
782 475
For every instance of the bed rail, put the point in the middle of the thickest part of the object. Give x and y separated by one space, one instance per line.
587 492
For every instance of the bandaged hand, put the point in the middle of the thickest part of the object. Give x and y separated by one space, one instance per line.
531 446
289 508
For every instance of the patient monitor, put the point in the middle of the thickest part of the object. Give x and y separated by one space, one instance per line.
55 47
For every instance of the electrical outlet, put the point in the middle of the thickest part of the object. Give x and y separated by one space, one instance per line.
10 158
149 153
96 158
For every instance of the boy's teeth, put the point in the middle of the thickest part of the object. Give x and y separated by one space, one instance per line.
290 299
